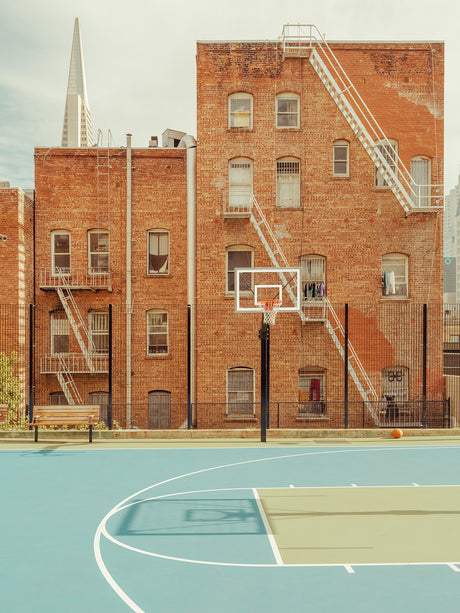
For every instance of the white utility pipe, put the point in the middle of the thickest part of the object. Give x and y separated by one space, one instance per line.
189 143
128 280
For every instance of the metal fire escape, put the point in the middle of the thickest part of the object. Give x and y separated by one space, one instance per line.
331 319
306 41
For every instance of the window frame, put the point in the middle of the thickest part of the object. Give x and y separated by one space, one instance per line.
395 256
319 277
102 399
423 197
388 148
160 416
239 193
66 269
295 201
59 316
99 332
158 232
308 406
287 96
150 331
250 403
231 273
98 269
343 144
232 114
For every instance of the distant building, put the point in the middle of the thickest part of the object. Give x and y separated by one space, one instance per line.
77 130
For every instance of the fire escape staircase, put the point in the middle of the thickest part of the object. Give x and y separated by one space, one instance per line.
306 41
80 330
332 323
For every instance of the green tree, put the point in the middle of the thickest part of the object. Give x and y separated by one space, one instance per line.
10 393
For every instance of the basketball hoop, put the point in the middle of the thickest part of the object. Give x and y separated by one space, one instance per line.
270 309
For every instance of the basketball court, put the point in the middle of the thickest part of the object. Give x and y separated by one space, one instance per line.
207 526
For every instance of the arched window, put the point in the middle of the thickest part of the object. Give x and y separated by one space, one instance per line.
312 277
159 410
287 110
98 250
158 252
157 332
240 391
395 275
238 256
240 110
60 252
341 165
288 182
240 188
389 151
420 171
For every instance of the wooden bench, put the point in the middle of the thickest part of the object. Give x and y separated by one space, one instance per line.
3 413
66 415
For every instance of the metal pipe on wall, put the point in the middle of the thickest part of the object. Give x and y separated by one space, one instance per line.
128 279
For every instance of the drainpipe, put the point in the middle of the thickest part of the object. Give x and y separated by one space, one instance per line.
189 143
128 280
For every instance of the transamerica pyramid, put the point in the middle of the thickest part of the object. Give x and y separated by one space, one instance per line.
77 130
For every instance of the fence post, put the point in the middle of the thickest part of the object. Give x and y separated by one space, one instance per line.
31 362
189 367
424 363
109 407
346 367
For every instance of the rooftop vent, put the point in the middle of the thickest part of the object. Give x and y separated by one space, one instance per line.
153 142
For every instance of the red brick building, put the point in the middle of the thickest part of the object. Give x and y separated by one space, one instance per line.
335 151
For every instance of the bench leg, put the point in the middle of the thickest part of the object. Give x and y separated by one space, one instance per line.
36 433
90 433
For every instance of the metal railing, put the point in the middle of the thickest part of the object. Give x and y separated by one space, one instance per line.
237 204
74 362
76 279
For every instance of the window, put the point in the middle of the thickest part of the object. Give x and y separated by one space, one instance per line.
394 275
58 399
60 331
99 331
240 184
238 257
389 151
287 111
288 182
98 251
420 171
158 252
312 392
240 110
60 252
240 391
341 159
159 410
313 277
102 399
157 332
395 391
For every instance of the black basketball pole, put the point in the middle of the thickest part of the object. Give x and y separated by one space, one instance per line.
264 335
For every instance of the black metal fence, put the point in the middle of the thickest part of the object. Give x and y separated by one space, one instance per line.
403 366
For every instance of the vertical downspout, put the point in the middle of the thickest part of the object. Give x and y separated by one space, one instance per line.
189 143
128 280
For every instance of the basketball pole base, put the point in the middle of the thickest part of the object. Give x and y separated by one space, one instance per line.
264 335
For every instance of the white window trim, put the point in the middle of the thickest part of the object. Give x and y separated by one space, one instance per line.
379 181
397 257
148 332
341 143
287 96
245 369
53 254
240 96
157 231
246 248
291 160
91 269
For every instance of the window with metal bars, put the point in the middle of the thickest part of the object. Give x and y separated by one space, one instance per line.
240 391
99 330
288 182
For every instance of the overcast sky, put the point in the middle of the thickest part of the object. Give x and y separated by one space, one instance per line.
140 61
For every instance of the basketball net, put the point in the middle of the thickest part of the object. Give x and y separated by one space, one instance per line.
270 309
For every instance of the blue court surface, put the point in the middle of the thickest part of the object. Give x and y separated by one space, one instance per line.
185 529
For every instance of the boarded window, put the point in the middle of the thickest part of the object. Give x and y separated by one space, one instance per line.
159 410
60 331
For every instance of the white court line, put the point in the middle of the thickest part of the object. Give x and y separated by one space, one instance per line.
349 569
101 529
271 538
454 567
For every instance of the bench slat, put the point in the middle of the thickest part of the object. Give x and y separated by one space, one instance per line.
65 415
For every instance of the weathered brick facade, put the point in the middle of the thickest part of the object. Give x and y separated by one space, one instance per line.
346 220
